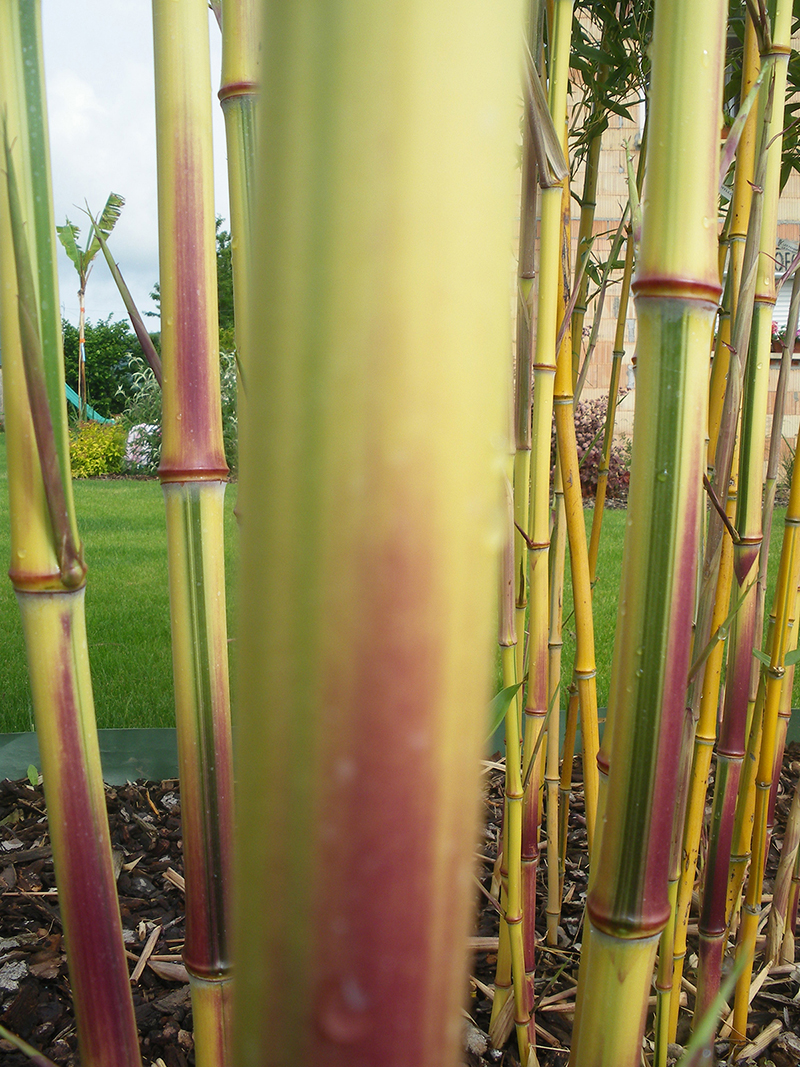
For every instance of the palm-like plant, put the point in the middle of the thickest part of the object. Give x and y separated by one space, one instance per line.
83 260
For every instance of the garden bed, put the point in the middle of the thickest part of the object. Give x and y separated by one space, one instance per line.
35 997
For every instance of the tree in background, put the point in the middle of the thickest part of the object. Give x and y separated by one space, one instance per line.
113 346
82 261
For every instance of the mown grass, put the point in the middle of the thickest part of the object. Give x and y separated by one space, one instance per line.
127 604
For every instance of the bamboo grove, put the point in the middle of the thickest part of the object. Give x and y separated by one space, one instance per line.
396 457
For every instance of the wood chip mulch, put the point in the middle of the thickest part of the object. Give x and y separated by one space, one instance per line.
35 1000
774 1021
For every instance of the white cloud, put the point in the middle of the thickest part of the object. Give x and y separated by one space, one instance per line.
99 70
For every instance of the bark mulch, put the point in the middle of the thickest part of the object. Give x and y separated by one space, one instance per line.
35 999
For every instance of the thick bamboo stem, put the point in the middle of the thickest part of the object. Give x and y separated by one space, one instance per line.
376 490
677 289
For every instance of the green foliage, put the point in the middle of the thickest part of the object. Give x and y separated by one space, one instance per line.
110 346
610 56
96 448
69 234
143 411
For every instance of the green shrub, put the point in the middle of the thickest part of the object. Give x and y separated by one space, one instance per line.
96 448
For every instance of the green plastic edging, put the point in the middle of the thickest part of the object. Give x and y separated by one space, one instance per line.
126 755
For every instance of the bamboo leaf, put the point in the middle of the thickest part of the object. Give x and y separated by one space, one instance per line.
105 224
68 235
38 1059
705 1026
500 704
546 143
720 634
762 657
791 658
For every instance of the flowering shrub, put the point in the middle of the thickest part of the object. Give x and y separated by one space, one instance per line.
96 448
142 415
590 420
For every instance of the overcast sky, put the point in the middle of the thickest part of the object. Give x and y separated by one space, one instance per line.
98 57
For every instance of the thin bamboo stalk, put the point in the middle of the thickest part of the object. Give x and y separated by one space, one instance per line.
738 228
777 924
552 772
47 568
785 599
677 289
585 670
363 652
192 474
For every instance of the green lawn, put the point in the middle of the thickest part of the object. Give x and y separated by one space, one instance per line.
606 595
127 604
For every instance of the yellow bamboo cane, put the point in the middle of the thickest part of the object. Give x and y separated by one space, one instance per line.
370 480
785 597
193 473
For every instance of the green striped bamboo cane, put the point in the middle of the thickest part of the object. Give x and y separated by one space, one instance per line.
238 96
676 290
192 473
370 487
47 568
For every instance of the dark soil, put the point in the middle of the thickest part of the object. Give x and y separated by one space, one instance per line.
35 1000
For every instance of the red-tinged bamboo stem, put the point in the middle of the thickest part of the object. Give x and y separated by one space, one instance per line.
677 289
47 569
565 782
192 473
734 726
364 665
705 736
